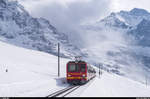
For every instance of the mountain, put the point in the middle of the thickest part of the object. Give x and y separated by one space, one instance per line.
135 16
114 20
18 27
142 33
122 43
135 22
125 19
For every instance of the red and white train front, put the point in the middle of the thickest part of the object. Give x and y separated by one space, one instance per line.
79 72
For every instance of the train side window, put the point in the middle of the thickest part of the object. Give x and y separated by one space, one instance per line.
83 67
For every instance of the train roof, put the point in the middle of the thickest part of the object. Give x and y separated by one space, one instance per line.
77 62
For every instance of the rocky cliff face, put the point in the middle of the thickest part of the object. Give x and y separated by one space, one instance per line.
19 28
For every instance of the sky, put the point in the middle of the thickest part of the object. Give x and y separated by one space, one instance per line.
118 5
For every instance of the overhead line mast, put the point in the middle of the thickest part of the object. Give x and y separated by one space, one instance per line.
58 59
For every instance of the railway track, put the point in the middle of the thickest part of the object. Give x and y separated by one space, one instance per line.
64 92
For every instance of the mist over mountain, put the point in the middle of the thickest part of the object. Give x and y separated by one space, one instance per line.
121 43
18 27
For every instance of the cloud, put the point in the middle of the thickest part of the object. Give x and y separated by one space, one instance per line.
118 5
68 15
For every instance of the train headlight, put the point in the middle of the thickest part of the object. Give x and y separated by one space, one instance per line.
69 75
83 75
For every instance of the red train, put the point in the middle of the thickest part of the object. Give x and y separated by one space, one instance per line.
79 72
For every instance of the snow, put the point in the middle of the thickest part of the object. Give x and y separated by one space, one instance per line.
30 73
135 16
110 85
34 74
120 18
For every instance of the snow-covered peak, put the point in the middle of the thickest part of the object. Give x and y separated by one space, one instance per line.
8 3
135 16
125 19
138 12
114 21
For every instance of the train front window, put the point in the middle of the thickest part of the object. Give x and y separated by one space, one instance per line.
73 68
83 67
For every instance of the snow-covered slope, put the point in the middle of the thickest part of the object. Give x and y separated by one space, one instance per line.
33 73
110 85
142 33
30 73
18 27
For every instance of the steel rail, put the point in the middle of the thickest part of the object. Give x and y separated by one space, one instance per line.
57 93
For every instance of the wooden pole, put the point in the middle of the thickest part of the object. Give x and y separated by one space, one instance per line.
146 79
99 70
